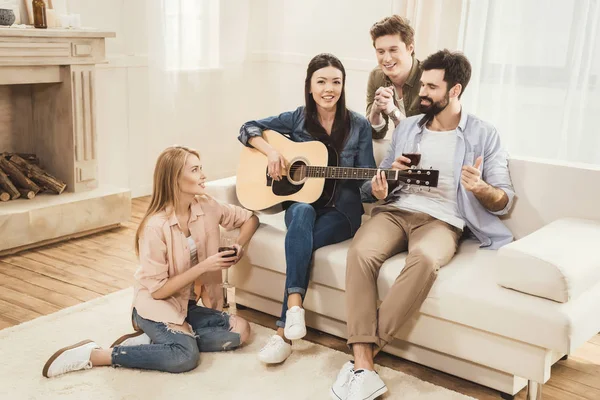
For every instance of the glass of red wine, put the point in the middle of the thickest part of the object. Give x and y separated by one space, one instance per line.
227 244
412 150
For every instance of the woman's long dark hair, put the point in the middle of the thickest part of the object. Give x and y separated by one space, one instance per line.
341 124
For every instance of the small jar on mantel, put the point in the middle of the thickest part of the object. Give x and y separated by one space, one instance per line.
39 14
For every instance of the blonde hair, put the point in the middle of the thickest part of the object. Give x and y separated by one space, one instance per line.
165 188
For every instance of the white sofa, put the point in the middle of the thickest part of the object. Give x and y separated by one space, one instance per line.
469 326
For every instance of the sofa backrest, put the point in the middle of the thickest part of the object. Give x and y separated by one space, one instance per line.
546 191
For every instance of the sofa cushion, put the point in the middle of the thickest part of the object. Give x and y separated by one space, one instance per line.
559 261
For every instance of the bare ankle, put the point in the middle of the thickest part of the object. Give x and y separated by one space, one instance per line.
363 356
294 299
101 357
364 365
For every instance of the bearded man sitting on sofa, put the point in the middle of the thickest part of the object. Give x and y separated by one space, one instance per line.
474 188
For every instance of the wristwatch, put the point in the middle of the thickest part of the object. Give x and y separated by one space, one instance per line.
395 115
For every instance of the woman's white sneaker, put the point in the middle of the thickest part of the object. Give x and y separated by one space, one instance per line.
69 359
339 390
275 351
365 385
295 327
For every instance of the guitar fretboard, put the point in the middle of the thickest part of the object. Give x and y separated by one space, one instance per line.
351 173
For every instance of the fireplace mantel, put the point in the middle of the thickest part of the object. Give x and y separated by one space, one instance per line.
47 107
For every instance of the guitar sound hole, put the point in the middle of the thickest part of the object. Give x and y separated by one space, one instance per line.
297 173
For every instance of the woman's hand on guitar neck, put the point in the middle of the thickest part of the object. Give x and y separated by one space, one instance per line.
379 185
276 164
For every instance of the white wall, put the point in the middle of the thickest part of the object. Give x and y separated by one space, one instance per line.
265 48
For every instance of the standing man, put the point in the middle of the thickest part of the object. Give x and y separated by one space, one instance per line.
474 188
393 88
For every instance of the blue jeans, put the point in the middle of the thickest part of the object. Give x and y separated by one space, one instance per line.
174 351
308 230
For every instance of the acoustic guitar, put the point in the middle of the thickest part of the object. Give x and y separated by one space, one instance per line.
310 177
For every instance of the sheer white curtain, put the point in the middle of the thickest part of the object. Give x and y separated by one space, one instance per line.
536 68
185 34
196 50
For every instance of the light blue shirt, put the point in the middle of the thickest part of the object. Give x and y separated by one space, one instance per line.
474 138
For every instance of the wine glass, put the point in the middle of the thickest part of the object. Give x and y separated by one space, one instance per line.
226 244
412 150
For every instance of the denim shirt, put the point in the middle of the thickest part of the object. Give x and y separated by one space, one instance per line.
475 138
357 152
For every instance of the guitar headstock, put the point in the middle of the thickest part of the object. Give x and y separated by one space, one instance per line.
420 177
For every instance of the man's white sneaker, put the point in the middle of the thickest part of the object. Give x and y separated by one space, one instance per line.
69 359
365 385
339 390
295 328
136 338
275 351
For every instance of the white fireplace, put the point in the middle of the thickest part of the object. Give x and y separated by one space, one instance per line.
47 107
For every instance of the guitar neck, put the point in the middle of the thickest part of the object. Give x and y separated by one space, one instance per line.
353 173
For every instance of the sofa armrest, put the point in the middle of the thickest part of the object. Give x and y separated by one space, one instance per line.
223 190
559 261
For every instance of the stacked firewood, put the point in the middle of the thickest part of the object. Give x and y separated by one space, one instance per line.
22 177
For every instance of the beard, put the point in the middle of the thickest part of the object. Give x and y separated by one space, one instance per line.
434 108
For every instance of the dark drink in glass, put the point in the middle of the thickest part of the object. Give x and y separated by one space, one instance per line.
415 159
234 249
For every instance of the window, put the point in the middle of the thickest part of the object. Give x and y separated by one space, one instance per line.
536 75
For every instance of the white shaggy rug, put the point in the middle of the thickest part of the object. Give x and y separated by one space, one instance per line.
307 374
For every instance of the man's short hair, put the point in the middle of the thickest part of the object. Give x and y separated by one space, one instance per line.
394 25
457 68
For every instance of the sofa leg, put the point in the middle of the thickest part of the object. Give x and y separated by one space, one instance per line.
534 390
507 396
240 306
566 357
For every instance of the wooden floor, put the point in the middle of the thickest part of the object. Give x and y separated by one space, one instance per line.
44 280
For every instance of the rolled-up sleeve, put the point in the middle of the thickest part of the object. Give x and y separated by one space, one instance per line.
233 216
283 123
154 269
495 170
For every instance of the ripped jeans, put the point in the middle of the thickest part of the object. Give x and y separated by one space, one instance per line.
175 351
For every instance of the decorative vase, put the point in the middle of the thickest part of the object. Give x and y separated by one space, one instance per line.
7 17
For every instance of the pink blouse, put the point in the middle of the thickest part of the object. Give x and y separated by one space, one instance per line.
164 253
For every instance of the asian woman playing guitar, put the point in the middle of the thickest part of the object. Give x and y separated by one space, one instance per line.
311 226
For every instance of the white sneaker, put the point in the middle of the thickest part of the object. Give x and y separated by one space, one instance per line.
365 385
339 390
295 328
69 359
136 338
275 351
